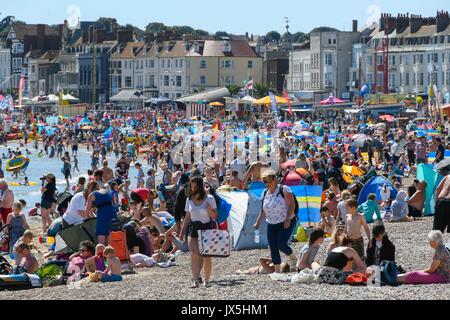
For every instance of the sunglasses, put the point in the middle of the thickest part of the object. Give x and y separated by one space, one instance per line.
266 181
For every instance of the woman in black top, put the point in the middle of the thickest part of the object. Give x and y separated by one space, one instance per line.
48 191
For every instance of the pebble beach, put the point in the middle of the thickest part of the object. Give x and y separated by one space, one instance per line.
173 283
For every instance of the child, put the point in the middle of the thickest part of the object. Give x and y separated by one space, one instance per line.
97 262
327 221
332 204
140 176
336 237
75 164
34 211
26 238
341 207
150 182
385 193
370 207
353 224
113 272
400 208
381 248
334 187
28 262
235 182
114 193
309 251
18 224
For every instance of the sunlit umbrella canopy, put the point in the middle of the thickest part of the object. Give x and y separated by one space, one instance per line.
267 101
216 104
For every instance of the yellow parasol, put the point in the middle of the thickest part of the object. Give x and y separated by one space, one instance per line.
216 104
267 101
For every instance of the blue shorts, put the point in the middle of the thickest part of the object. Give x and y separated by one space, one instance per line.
111 278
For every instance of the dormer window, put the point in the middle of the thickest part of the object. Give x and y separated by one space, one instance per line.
226 47
197 48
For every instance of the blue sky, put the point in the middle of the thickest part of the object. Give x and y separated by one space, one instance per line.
235 16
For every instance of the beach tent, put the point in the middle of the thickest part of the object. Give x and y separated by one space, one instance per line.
374 185
432 178
245 208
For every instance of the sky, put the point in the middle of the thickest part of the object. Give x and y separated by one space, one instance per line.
234 16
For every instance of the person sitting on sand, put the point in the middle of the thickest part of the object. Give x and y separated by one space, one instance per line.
336 237
167 242
28 262
339 263
416 202
370 207
439 270
265 267
26 238
399 208
113 272
97 262
382 249
309 251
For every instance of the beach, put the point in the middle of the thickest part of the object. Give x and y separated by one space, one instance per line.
413 253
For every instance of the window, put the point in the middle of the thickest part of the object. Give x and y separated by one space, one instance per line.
414 59
229 79
33 68
166 81
178 84
421 58
370 60
17 48
329 59
151 80
429 58
329 41
334 41
178 95
168 63
227 47
443 58
176 63
202 80
250 64
401 59
407 79
181 63
152 63
202 64
447 80
162 63
227 64
421 79
17 63
391 80
414 79
127 82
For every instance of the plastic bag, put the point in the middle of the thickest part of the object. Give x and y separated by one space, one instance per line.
306 276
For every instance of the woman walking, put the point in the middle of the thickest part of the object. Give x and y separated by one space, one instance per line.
200 213
278 209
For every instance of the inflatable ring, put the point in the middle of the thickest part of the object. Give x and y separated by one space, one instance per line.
17 164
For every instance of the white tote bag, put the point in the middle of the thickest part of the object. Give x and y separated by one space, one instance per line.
214 243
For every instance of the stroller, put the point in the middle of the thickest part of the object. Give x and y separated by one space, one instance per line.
4 239
5 267
62 201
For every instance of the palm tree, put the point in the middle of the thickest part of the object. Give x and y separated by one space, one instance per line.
261 90
234 89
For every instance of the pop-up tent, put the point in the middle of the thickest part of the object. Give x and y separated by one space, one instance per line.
245 208
432 178
374 185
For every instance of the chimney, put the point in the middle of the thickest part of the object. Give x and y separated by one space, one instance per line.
391 22
149 37
99 35
91 34
415 22
355 26
442 21
40 36
124 35
402 22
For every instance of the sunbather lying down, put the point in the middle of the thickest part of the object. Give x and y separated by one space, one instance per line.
265 267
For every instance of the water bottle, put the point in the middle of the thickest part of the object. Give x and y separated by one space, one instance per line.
256 236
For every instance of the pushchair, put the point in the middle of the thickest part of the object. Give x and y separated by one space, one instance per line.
5 267
62 201
4 239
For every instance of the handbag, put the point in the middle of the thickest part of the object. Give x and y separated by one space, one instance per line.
214 243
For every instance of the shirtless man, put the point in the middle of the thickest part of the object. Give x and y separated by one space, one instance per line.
254 173
108 173
442 215
6 200
353 223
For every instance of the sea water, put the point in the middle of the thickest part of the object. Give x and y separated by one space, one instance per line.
39 167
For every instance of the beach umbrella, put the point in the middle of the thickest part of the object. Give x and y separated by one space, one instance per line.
284 125
73 235
267 101
216 104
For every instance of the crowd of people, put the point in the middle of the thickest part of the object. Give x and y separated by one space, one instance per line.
171 201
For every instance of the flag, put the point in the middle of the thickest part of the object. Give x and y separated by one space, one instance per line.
286 96
249 85
273 100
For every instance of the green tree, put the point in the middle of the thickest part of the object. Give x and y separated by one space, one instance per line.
110 23
261 90
234 89
154 27
134 28
323 29
183 29
221 34
201 33
273 36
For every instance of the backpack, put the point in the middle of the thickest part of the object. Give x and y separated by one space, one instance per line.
337 162
389 273
281 192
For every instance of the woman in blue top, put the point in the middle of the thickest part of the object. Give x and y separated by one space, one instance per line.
101 201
